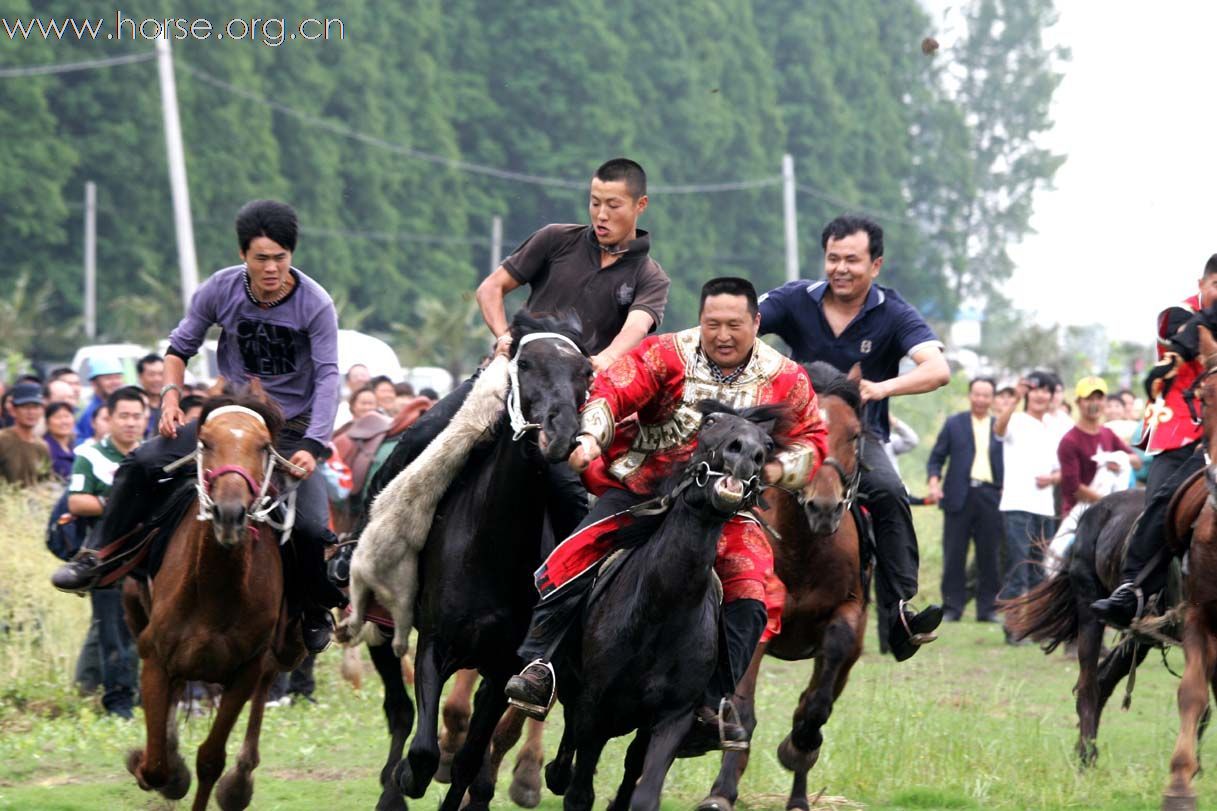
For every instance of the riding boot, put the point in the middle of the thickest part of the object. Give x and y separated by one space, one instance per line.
716 725
1146 562
534 688
139 488
908 631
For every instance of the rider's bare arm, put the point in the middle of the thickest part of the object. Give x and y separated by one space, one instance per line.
932 372
637 326
490 294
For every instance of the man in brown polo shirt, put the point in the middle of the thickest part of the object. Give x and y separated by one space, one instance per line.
603 271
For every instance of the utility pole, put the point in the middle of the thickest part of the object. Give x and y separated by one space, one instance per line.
90 259
496 242
788 207
188 262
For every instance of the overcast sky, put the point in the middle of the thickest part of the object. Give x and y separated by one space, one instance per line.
1130 223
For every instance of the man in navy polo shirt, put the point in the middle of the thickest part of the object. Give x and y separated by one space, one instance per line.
844 319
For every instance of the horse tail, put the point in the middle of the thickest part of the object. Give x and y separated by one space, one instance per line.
1047 613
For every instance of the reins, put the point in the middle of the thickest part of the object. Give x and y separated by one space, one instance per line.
515 411
267 498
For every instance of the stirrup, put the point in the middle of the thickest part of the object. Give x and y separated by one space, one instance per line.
536 710
1131 585
725 704
916 639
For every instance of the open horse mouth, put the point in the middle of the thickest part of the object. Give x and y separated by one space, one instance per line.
729 490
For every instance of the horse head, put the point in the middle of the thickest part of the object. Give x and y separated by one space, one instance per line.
832 490
236 436
550 377
724 473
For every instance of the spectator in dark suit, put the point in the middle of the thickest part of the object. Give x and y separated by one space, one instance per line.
969 499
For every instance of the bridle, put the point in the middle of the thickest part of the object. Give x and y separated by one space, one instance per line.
515 410
266 501
1189 396
851 483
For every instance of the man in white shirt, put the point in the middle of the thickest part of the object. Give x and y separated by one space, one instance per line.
1029 443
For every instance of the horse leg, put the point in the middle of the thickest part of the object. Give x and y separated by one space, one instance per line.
526 776
582 793
151 765
470 768
1090 641
635 758
399 713
665 739
558 772
209 764
414 773
456 712
1112 670
1198 647
725 791
236 787
839 649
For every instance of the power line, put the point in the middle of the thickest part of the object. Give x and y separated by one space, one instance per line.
838 201
454 163
68 67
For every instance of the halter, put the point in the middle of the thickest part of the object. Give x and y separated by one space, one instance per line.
264 503
850 483
700 475
515 411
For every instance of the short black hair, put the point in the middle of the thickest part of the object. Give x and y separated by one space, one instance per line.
429 393
1210 267
1040 379
54 408
1129 392
267 218
848 224
134 393
151 357
1116 398
729 286
190 401
379 379
982 379
404 389
58 372
624 169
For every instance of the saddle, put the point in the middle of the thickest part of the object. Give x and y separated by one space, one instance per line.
608 568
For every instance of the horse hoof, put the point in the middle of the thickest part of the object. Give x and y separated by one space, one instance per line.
1179 802
390 800
716 803
794 759
235 790
557 778
134 756
179 781
413 776
443 772
525 788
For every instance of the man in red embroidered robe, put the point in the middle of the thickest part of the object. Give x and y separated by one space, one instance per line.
639 423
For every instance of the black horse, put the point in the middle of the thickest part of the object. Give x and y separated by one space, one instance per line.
476 588
650 643
1058 609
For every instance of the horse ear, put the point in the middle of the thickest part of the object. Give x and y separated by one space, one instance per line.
1208 345
256 389
707 407
855 373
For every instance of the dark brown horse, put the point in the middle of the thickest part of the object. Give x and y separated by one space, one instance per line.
817 555
1200 604
214 611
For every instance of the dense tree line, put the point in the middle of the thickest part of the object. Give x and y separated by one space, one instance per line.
940 146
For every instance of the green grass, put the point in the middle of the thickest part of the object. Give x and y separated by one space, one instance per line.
969 723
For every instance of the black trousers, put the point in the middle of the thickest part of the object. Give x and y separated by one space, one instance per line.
895 539
1166 474
980 523
140 487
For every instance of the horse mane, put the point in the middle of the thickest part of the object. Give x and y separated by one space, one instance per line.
246 397
565 322
829 381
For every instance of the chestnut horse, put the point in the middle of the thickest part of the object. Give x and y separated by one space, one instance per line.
1200 602
214 611
818 556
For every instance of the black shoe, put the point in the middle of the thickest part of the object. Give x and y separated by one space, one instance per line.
714 730
79 574
1120 609
317 625
909 631
532 690
122 711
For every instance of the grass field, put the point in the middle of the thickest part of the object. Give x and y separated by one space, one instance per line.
969 723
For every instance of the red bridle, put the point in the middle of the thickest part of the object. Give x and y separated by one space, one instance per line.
210 476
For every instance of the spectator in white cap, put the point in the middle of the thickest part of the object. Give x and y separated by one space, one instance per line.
106 375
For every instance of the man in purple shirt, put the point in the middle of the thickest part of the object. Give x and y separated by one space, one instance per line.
279 326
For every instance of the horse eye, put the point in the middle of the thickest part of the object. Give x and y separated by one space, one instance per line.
521 363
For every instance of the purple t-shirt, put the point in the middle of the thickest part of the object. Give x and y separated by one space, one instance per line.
292 346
